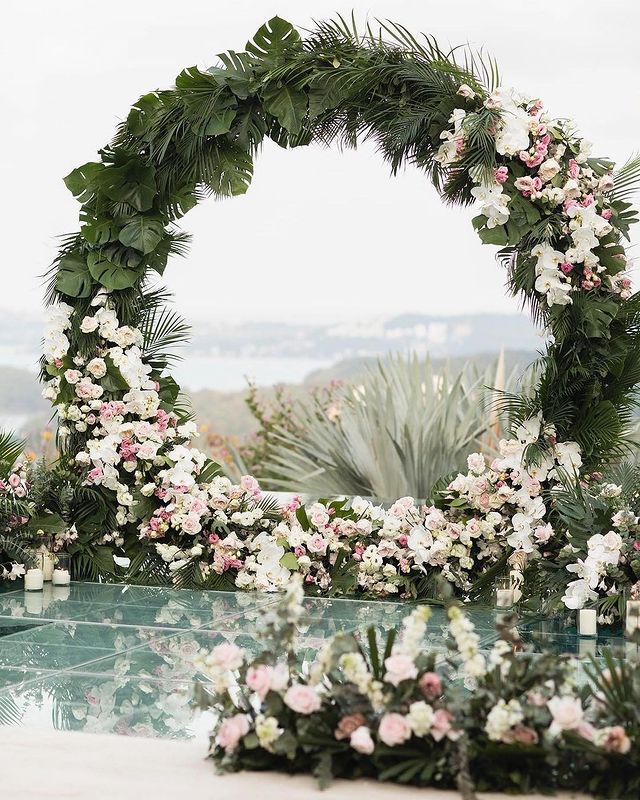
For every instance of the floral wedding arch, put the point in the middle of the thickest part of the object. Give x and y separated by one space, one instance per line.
552 208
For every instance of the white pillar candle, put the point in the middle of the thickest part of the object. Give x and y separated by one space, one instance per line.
587 622
48 564
61 577
33 580
504 598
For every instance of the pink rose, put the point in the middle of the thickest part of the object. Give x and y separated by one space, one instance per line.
227 656
302 699
14 480
361 740
607 213
574 168
566 712
232 730
259 679
191 524
95 474
523 735
317 544
501 174
348 725
250 484
319 518
543 533
441 725
617 740
72 376
394 729
566 267
197 507
430 685
399 668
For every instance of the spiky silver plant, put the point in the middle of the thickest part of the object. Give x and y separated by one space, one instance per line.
395 433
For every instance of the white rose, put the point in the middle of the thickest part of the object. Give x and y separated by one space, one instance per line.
97 367
89 325
548 169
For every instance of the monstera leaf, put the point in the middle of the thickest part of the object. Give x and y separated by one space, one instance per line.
288 106
272 41
110 275
133 183
73 277
233 172
237 73
143 233
81 181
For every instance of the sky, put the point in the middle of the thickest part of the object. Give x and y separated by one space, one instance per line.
321 235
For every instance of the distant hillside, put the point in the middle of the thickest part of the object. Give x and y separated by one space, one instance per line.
349 369
462 335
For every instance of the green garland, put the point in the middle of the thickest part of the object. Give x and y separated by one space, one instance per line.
198 139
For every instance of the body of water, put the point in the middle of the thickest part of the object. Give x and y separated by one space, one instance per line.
229 374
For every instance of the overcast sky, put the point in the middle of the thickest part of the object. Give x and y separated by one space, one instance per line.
320 235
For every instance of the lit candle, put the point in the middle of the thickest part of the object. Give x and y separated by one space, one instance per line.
632 619
504 598
33 580
48 564
61 577
587 622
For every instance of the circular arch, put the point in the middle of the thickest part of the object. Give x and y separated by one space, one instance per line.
551 208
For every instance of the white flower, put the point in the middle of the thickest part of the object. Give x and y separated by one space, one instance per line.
577 594
420 718
466 91
476 463
513 131
492 202
89 325
97 367
267 731
502 717
548 169
567 714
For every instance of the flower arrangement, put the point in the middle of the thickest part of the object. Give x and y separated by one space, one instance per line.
137 486
501 720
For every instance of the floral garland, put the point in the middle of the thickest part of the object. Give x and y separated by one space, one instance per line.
555 210
139 452
399 715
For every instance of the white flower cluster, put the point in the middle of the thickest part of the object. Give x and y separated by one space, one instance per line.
468 645
502 718
603 551
559 181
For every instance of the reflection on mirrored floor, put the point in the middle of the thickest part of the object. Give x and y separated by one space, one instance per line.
120 659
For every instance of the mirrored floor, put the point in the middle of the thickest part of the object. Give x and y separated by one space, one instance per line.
120 659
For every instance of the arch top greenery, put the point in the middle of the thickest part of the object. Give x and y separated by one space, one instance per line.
558 214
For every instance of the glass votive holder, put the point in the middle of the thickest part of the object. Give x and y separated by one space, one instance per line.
503 590
632 618
34 573
61 575
587 622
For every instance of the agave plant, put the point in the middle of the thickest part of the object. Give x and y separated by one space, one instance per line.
395 433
